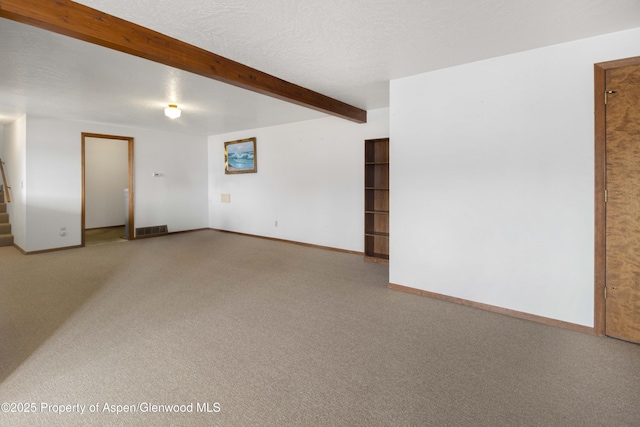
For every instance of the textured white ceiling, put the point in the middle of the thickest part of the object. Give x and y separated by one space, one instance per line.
348 50
47 74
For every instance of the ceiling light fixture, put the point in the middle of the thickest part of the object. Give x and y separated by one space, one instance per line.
172 111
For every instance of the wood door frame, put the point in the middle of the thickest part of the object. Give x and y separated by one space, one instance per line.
129 140
600 163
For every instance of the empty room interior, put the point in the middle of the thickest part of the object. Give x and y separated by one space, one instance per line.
320 213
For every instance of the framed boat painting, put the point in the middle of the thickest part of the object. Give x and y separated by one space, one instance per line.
240 156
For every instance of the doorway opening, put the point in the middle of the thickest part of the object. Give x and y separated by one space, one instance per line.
107 188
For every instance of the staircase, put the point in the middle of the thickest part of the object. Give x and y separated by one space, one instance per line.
6 238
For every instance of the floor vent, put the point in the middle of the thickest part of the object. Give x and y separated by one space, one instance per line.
156 230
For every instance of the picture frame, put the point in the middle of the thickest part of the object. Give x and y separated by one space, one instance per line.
240 156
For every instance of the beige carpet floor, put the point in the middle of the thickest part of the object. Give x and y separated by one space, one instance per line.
98 236
239 331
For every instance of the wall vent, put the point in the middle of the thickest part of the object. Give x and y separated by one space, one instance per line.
156 230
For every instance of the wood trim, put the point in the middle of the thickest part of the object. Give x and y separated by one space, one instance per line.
599 206
376 260
44 251
103 136
90 25
617 63
599 73
5 188
309 245
83 213
100 228
131 165
131 180
190 231
494 309
170 233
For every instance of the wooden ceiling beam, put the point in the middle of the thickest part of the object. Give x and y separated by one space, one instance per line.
84 23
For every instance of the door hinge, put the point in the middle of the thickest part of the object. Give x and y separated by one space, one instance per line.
605 292
606 196
606 95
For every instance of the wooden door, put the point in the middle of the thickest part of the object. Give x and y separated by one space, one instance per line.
623 203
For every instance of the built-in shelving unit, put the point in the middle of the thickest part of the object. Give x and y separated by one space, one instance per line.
376 200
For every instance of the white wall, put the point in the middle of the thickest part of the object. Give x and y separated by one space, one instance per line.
14 155
310 180
178 198
492 171
106 178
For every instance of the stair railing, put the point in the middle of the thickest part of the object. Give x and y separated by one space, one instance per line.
4 182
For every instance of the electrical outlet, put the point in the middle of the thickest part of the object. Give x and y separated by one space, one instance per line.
276 223
63 231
